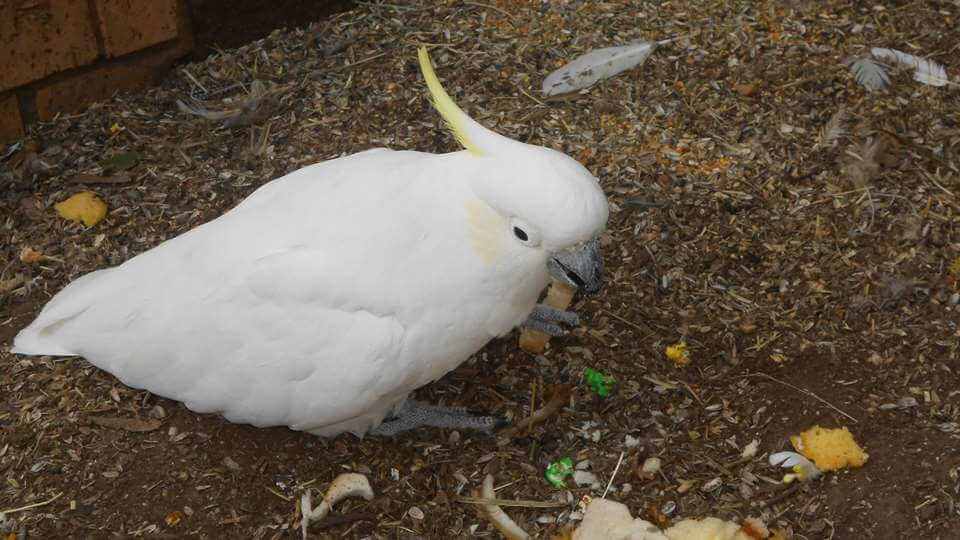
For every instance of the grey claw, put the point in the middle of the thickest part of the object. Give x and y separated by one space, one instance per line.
547 328
486 424
547 313
549 319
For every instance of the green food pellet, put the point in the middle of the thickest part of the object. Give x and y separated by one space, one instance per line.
558 472
600 383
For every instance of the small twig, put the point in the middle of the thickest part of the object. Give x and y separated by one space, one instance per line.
488 6
931 524
643 204
358 62
96 179
308 483
391 6
612 476
804 81
692 393
802 391
782 495
34 505
195 81
664 384
533 404
339 519
934 181
507 502
716 465
633 325
561 393
235 520
949 201
278 494
524 92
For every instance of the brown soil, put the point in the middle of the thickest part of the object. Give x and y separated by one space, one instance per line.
808 292
226 24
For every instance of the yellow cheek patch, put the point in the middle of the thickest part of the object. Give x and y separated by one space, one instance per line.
485 228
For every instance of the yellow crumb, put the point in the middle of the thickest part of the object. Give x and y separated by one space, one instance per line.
84 207
830 449
30 255
679 354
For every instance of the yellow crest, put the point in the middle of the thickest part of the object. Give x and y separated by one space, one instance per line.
455 118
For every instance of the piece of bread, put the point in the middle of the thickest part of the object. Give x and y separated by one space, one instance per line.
559 295
830 449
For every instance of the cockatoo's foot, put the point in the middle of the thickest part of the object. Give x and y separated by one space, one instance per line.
548 320
416 414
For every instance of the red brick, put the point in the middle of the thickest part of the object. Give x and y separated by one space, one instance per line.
11 126
127 74
98 84
40 37
131 25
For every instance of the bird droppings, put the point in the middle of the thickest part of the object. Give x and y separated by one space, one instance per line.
781 243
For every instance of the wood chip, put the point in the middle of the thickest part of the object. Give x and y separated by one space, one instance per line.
97 179
126 424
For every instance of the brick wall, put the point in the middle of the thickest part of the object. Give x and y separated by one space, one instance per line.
58 56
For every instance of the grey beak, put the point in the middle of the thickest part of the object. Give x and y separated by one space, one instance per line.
580 266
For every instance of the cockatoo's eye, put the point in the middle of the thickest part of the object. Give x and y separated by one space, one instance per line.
525 233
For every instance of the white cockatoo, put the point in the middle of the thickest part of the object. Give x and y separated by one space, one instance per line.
329 294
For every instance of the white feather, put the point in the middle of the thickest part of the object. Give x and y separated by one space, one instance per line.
787 459
869 74
834 129
792 460
924 70
597 64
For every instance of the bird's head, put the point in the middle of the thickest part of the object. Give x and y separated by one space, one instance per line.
532 202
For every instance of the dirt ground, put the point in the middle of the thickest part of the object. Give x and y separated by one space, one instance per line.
808 257
249 20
